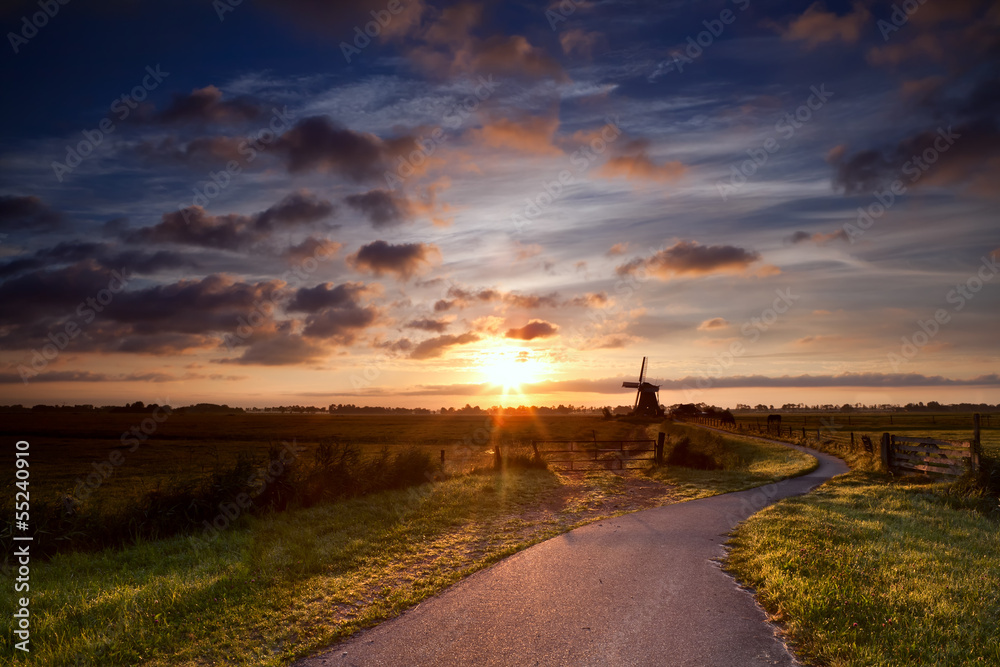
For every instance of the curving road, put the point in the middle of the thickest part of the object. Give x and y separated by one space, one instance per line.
640 589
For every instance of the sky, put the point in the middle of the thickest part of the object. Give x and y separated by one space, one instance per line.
423 204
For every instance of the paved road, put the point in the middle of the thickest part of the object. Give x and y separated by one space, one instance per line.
641 589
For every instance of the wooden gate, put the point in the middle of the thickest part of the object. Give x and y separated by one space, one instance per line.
598 454
909 455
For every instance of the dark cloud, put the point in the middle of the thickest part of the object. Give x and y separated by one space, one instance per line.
319 249
382 207
314 299
204 105
338 19
817 237
532 330
437 346
688 257
103 254
318 144
282 349
428 324
200 151
27 213
590 300
460 297
403 261
193 226
960 148
340 324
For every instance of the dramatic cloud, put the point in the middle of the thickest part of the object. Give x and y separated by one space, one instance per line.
403 261
340 324
319 144
581 42
338 19
312 247
532 134
428 324
712 324
206 105
193 226
27 213
617 249
590 300
107 314
437 346
818 26
320 297
382 207
818 237
690 258
196 152
447 46
532 330
105 255
634 163
460 297
284 349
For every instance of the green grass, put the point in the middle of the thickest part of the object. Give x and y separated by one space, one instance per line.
745 462
279 586
869 572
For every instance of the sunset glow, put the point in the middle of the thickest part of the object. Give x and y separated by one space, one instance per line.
493 199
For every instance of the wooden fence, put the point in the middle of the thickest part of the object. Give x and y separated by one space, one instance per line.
599 454
901 454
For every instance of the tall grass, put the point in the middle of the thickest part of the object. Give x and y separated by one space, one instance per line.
250 485
700 462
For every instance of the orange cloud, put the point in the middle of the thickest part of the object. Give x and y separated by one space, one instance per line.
533 134
817 26
689 257
617 249
580 42
533 329
714 323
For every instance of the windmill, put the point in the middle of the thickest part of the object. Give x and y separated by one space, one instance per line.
647 396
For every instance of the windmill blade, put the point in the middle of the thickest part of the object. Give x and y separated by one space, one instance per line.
642 371
637 394
630 385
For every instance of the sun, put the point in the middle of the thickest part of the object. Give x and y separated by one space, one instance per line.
510 368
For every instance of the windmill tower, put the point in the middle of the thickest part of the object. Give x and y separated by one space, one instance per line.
647 396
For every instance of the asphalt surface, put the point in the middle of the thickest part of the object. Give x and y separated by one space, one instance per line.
640 589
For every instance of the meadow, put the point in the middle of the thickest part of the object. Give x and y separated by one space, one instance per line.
874 570
837 427
268 588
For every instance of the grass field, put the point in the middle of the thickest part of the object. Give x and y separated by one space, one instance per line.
874 571
274 587
65 447
839 426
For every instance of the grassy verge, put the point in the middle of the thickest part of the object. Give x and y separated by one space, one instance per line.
737 463
279 586
869 572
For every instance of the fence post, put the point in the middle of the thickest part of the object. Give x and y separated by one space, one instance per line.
496 456
658 455
442 457
886 443
976 444
534 448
